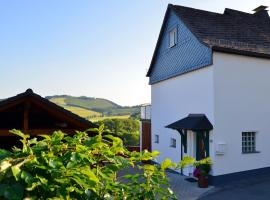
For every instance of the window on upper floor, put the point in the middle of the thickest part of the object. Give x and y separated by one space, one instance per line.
156 139
173 143
173 37
249 142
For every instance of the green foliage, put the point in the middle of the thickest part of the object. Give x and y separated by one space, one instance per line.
186 161
203 165
136 115
127 129
79 167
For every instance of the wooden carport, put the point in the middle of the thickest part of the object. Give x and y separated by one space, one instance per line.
36 115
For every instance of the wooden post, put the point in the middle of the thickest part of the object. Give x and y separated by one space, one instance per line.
26 117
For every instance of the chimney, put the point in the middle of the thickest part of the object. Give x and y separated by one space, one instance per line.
261 12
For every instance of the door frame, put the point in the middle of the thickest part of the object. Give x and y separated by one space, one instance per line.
202 144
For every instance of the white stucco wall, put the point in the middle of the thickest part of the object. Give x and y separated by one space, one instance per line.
242 103
174 99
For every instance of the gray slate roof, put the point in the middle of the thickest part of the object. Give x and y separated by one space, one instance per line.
233 30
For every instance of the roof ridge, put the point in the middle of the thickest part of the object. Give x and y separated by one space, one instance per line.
237 11
191 8
30 93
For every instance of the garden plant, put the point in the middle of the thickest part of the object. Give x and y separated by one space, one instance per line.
82 166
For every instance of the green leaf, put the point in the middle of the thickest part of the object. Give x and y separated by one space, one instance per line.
166 164
187 160
27 177
149 168
16 171
4 153
90 175
57 137
19 133
42 179
5 164
155 153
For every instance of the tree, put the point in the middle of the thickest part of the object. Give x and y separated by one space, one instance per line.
127 129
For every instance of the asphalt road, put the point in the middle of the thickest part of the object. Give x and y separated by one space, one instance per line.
246 190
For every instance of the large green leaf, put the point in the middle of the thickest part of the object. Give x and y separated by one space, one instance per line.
16 171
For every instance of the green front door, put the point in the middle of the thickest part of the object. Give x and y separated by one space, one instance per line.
202 144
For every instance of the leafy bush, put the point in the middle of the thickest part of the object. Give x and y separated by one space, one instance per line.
203 167
79 167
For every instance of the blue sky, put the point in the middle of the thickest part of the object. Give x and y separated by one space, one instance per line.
99 48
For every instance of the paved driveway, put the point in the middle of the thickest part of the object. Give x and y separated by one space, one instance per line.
255 189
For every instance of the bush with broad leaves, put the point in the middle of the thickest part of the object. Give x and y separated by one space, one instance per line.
60 166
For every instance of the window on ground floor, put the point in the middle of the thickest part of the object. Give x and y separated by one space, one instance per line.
156 139
173 143
249 142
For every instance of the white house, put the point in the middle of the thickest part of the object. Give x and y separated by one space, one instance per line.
210 90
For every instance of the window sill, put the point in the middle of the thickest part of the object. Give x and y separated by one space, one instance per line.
172 46
251 152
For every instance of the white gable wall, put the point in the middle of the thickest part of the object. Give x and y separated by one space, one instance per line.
242 103
174 99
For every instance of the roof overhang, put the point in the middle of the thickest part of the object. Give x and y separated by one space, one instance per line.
195 122
240 52
45 104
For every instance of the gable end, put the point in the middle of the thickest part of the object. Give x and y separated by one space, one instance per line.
187 55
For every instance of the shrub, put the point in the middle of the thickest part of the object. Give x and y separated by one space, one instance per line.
202 167
79 167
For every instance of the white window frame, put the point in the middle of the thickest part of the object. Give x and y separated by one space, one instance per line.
156 139
173 143
249 142
173 37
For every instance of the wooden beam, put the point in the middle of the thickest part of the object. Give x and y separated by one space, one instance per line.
26 116
59 115
36 132
11 104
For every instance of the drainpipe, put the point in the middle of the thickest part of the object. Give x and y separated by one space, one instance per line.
181 154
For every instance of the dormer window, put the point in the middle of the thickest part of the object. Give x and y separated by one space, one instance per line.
173 37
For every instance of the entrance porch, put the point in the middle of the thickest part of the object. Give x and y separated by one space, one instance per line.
194 130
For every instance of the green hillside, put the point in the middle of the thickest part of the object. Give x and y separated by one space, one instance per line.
93 109
85 113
